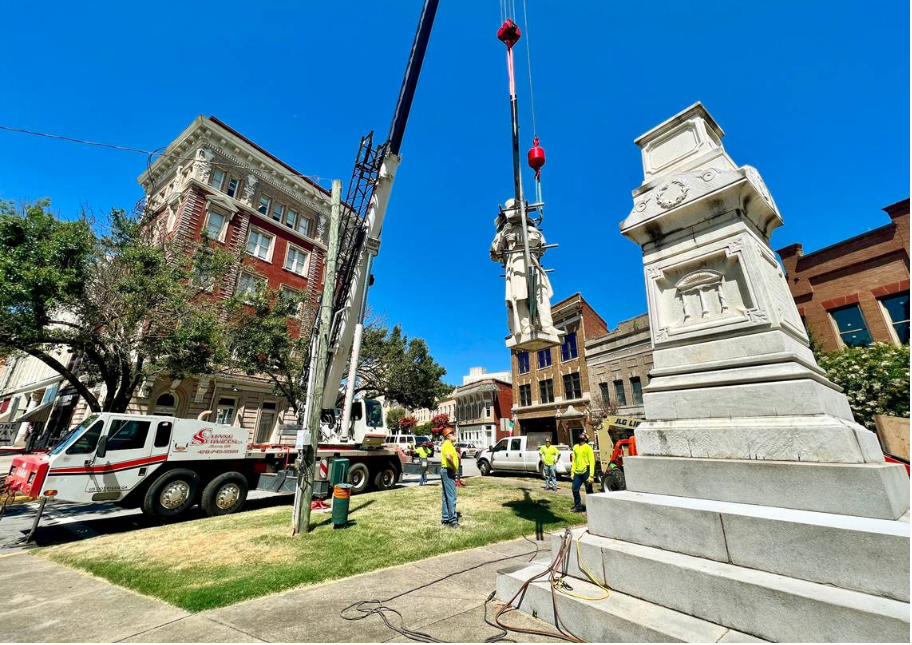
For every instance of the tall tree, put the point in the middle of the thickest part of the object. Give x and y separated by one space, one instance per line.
123 300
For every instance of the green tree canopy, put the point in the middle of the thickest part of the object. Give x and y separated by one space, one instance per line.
123 301
392 417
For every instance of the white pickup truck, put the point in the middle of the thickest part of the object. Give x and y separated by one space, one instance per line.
520 454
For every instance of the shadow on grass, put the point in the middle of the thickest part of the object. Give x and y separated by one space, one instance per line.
535 510
351 510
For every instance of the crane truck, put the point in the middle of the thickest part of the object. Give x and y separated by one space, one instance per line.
165 465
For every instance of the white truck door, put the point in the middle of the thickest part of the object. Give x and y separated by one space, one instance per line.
499 458
516 452
129 455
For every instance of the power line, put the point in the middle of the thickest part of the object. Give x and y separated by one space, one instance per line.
149 153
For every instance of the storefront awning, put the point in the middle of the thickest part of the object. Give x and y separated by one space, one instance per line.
39 414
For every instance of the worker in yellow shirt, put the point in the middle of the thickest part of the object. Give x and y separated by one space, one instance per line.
550 455
449 468
424 452
583 469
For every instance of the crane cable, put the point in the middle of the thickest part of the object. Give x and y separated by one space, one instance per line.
538 186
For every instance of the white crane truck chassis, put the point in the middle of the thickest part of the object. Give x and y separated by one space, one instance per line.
165 466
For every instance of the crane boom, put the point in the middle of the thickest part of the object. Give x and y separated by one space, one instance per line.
365 209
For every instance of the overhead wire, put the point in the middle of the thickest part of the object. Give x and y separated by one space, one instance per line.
150 153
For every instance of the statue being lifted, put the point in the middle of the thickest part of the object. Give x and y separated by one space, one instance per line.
528 292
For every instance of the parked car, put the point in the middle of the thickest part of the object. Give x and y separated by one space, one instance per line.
520 454
466 450
407 442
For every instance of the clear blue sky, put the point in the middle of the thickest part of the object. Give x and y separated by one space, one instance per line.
815 94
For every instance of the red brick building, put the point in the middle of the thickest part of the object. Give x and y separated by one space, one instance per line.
551 390
856 291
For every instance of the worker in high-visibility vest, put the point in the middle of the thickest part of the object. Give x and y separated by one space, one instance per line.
583 469
449 468
424 452
550 455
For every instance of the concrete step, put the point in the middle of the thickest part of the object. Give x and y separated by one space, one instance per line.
867 555
879 491
766 605
617 619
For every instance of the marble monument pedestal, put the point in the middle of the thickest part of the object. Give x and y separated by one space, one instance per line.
757 509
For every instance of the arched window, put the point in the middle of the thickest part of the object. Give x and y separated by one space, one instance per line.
165 404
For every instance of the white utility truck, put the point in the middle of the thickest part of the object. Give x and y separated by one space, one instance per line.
165 465
521 454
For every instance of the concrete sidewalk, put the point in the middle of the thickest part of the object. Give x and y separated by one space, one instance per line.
47 602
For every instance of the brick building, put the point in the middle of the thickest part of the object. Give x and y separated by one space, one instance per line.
551 390
856 291
619 364
213 179
483 407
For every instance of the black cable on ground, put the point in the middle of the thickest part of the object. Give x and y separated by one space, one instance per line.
367 608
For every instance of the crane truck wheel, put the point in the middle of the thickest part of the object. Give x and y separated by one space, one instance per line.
484 468
385 478
171 494
359 478
225 494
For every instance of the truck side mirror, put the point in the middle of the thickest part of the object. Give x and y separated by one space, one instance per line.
102 447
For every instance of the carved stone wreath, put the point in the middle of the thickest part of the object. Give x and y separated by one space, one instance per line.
672 193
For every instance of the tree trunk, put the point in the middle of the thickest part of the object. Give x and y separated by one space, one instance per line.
61 369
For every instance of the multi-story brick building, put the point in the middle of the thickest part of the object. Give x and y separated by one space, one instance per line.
856 291
619 364
483 407
551 387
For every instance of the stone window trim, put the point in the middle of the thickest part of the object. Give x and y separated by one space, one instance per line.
256 233
291 250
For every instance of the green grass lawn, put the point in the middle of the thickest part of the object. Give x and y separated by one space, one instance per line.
219 561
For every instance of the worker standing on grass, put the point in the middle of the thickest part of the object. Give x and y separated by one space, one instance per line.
449 467
424 452
583 470
549 456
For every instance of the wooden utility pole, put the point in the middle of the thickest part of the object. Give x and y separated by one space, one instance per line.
307 455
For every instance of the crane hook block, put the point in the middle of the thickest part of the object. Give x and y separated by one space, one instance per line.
536 157
509 33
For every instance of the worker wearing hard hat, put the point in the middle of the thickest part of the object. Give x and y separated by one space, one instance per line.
449 467
583 469
550 455
424 452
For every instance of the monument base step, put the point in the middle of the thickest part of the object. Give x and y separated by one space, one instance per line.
863 554
617 619
766 605
879 491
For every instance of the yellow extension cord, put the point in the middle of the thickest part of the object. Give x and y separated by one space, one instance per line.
558 583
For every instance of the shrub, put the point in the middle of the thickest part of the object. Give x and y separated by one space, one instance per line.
875 379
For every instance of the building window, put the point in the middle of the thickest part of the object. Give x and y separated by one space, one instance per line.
572 388
851 326
522 358
896 311
568 347
637 389
224 413
216 179
619 395
291 218
487 409
603 391
259 244
303 226
232 189
266 423
544 358
525 395
216 225
278 212
249 284
296 260
263 207
546 390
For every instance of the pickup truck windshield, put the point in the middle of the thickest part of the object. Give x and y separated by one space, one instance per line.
73 435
